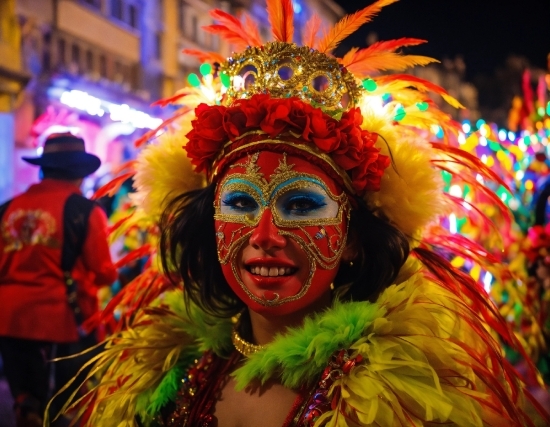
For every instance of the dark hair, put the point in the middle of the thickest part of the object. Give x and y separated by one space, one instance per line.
188 245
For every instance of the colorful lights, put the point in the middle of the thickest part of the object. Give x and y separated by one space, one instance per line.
193 80
370 85
83 101
400 113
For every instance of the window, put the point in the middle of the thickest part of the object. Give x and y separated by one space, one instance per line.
103 66
181 15
61 46
89 61
117 9
94 3
194 28
133 16
158 45
75 54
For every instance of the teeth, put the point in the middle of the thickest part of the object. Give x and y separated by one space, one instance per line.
271 271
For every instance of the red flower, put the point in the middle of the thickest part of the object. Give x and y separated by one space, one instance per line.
299 118
254 109
351 148
210 118
207 135
368 175
324 131
234 122
274 122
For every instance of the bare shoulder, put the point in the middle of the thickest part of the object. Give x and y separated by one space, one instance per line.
259 405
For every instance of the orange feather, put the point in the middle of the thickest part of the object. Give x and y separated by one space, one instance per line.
349 24
310 31
232 29
281 17
354 55
251 28
386 61
210 57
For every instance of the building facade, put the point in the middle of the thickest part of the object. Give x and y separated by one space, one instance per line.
95 66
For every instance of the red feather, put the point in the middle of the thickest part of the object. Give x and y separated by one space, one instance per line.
117 224
236 39
151 133
127 165
311 29
210 57
112 186
133 255
349 24
231 29
251 28
170 100
281 17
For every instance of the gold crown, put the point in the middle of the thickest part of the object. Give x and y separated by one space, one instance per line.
286 70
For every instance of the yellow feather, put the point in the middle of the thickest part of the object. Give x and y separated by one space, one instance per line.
164 171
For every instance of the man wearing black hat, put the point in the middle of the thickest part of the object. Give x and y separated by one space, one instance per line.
53 256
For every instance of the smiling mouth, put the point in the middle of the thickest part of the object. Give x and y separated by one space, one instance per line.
265 271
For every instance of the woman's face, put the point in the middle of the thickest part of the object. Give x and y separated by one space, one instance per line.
281 227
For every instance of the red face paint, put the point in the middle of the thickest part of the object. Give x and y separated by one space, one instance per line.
281 226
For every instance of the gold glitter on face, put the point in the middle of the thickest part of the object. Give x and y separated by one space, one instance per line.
303 215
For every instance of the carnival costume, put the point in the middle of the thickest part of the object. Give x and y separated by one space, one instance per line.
421 353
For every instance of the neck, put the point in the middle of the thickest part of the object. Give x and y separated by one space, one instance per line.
266 327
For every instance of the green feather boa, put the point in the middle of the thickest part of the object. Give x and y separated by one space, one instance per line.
298 357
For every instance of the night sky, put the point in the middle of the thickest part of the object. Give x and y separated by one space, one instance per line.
484 32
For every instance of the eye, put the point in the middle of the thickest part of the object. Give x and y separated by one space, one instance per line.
303 204
240 202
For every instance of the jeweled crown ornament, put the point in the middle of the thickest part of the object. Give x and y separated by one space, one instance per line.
286 70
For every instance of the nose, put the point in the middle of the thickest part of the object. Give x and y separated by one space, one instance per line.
265 236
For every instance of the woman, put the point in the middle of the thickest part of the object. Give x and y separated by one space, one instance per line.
312 290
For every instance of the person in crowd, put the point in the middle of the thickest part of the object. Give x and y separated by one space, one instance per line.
299 230
54 255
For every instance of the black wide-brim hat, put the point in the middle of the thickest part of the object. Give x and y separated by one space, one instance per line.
66 153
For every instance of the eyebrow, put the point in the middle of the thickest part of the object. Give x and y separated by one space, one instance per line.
247 183
296 179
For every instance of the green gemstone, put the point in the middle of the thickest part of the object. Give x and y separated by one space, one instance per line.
422 106
205 69
305 89
369 84
400 114
226 81
194 80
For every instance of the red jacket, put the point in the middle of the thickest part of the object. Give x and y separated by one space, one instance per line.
33 297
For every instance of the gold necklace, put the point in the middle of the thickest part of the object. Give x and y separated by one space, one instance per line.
242 346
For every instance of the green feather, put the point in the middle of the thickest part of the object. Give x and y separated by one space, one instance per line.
302 353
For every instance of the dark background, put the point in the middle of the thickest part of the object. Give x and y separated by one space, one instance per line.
483 32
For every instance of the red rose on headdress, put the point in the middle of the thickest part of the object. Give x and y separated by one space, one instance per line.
207 135
274 122
234 122
299 118
367 176
324 131
254 109
349 153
